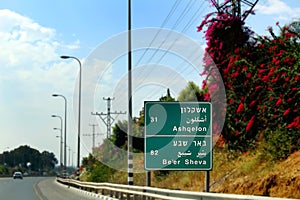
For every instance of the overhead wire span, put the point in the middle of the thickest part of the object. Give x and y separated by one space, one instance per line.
179 19
166 20
188 25
174 7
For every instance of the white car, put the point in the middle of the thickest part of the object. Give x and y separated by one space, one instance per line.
18 175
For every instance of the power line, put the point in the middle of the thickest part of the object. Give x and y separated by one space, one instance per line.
188 25
163 24
174 7
106 117
93 134
182 70
183 30
180 18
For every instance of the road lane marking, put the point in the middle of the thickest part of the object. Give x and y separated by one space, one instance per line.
38 192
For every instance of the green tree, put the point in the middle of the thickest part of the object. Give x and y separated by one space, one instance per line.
48 160
22 155
191 93
119 135
168 97
3 170
97 171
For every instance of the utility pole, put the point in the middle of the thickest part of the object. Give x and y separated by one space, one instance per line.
236 7
106 117
93 134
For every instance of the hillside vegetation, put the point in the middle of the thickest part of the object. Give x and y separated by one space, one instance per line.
252 174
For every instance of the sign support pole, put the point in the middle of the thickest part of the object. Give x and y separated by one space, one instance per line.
148 178
207 176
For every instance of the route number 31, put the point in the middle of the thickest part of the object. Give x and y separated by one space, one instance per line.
153 119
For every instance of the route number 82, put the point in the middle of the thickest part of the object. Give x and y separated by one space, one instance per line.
154 152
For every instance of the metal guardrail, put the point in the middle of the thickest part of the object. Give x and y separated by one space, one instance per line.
112 191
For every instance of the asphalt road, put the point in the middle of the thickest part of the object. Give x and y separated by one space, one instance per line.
38 188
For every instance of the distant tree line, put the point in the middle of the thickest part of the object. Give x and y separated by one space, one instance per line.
25 158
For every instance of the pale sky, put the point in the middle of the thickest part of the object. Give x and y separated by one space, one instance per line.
34 34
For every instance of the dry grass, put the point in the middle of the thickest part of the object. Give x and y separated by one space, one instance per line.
232 173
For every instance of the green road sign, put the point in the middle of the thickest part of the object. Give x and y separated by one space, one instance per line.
178 136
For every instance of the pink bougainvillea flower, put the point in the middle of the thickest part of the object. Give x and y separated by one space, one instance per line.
207 97
287 78
236 132
252 103
274 80
258 87
283 74
279 101
250 124
265 78
295 123
240 108
235 74
287 112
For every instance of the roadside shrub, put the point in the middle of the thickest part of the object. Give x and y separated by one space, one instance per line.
100 173
281 143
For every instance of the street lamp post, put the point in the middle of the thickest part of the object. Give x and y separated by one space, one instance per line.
73 159
65 146
61 142
79 106
69 156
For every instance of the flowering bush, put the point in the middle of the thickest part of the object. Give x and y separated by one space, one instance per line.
263 87
261 77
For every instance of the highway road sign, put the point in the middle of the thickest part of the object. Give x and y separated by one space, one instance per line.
178 136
